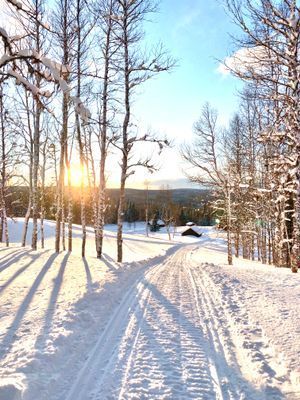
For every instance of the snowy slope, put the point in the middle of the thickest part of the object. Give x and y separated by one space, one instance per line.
172 322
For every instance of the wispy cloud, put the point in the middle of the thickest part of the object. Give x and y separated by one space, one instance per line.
188 19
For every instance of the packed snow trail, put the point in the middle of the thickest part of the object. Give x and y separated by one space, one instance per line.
160 344
174 322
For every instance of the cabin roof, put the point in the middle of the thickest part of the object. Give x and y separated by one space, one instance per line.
192 231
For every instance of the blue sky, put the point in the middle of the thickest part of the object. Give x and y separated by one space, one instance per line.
196 33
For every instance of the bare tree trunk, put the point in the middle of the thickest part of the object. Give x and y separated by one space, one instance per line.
29 208
279 234
258 243
229 243
1 227
135 69
42 222
63 221
121 211
147 209
252 247
26 219
103 136
67 158
36 136
92 184
126 121
68 167
63 21
82 202
264 246
35 199
43 175
270 244
59 196
169 231
237 242
70 209
100 219
4 226
78 125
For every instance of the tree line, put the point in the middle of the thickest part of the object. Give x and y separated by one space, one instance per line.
191 207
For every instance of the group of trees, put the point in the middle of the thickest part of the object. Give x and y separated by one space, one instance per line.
66 93
254 165
190 207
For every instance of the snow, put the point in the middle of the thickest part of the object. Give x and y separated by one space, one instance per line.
29 86
172 322
4 59
190 223
3 32
80 109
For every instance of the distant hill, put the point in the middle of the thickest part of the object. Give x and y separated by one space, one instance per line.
183 196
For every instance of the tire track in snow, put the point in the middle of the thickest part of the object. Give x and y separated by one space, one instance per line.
170 355
196 365
96 367
131 354
222 332
155 345
206 317
230 382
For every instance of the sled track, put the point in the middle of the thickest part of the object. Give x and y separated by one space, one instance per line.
97 365
174 344
160 343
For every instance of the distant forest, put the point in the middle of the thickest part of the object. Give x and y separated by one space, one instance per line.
183 204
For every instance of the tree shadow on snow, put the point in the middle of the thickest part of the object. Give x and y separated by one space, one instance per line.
89 318
34 257
11 335
48 318
89 281
109 262
10 259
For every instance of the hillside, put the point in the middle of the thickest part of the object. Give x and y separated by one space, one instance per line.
183 197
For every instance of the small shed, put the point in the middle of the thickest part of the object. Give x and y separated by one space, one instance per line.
192 231
159 223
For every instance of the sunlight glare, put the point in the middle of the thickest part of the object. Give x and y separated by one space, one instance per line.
76 174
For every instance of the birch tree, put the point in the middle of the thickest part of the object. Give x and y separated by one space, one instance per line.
108 46
82 114
135 67
5 148
208 168
65 37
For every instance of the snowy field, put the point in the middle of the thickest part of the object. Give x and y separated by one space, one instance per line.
174 321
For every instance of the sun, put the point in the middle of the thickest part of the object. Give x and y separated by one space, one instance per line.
76 174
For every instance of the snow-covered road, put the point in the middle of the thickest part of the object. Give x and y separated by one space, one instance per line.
161 343
173 322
